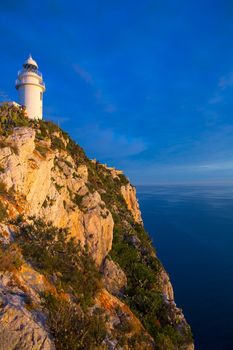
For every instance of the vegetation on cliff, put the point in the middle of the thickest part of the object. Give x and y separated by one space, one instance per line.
133 251
60 258
73 319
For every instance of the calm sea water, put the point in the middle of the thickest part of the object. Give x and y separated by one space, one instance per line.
192 229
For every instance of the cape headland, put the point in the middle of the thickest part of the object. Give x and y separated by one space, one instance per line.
77 268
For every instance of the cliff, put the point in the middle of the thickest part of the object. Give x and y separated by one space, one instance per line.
77 269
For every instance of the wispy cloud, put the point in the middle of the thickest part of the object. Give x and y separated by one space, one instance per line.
83 74
50 113
224 165
108 106
213 145
210 115
4 96
226 81
218 97
151 173
215 99
108 143
208 157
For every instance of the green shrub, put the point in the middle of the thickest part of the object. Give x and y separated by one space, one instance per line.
11 117
77 199
59 257
3 212
45 203
3 144
71 328
57 143
3 190
43 150
132 250
90 187
19 219
76 152
58 187
10 258
14 149
123 179
50 127
67 163
76 176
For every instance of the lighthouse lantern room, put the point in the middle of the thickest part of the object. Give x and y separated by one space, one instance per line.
30 88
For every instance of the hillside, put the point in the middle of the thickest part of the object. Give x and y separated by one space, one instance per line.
77 269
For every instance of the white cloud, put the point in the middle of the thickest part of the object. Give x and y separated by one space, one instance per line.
215 100
226 81
83 74
4 96
107 143
108 107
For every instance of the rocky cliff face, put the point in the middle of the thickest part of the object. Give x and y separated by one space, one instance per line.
45 176
47 183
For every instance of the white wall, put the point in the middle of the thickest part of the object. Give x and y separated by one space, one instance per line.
29 96
30 92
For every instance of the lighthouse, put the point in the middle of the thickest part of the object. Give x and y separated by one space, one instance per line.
30 88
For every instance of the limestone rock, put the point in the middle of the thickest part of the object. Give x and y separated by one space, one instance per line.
166 286
129 194
83 172
114 278
32 282
119 315
5 234
20 328
50 185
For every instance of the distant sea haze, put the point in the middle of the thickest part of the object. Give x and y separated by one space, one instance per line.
192 230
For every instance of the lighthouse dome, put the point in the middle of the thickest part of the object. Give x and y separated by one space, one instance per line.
31 62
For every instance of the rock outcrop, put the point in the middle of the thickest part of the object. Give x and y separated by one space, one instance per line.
129 194
117 314
49 185
20 327
114 278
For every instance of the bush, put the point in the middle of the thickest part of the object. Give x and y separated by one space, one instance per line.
10 258
3 190
3 212
59 257
58 187
123 179
132 250
57 143
43 150
71 328
11 117
76 152
77 199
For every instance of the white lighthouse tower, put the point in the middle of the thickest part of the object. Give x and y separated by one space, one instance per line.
30 88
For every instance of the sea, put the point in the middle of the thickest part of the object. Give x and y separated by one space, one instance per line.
192 230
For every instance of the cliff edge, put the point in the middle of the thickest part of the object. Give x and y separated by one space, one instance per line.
77 269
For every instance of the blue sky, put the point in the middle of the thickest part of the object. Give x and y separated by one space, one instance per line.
146 86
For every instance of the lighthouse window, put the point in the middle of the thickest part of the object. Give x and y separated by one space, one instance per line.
41 96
